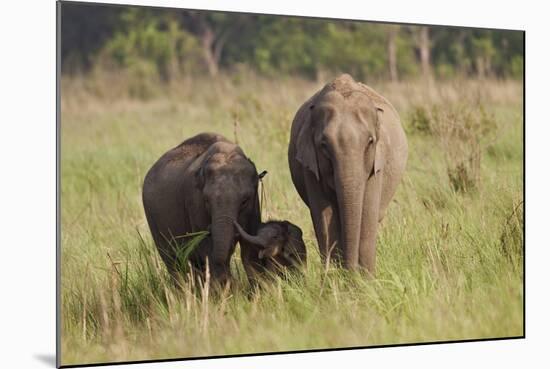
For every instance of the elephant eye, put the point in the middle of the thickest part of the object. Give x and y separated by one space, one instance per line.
244 202
324 145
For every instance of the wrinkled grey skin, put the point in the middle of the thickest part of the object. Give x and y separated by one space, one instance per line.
347 154
278 245
205 183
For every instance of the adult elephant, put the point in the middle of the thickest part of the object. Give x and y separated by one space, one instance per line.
206 182
347 154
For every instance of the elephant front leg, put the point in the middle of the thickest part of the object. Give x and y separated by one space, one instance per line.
369 226
252 264
326 222
326 225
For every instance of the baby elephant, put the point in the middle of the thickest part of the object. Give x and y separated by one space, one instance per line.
278 245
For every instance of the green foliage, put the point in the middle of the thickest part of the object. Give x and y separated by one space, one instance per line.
188 42
155 41
407 64
296 53
483 47
190 242
515 68
308 46
358 48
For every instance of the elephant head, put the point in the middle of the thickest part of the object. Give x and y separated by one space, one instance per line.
277 241
227 181
341 145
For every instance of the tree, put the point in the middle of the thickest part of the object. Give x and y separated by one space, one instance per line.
213 31
85 28
171 42
483 52
424 46
392 31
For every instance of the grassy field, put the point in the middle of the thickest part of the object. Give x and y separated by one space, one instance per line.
449 263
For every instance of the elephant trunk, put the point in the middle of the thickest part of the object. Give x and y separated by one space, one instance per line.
349 193
255 240
223 243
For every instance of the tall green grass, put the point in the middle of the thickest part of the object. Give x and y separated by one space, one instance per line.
449 262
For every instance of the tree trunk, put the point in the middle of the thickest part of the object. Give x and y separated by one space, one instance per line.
480 67
207 42
462 58
424 48
392 52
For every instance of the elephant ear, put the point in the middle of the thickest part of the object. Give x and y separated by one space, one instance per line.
306 154
199 177
199 173
379 157
255 219
378 160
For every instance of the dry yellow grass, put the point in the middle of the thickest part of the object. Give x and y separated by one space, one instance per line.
450 263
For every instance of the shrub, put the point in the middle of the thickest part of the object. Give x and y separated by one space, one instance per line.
463 131
419 120
142 79
511 238
167 48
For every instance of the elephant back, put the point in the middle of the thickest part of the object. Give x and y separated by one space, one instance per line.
194 146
